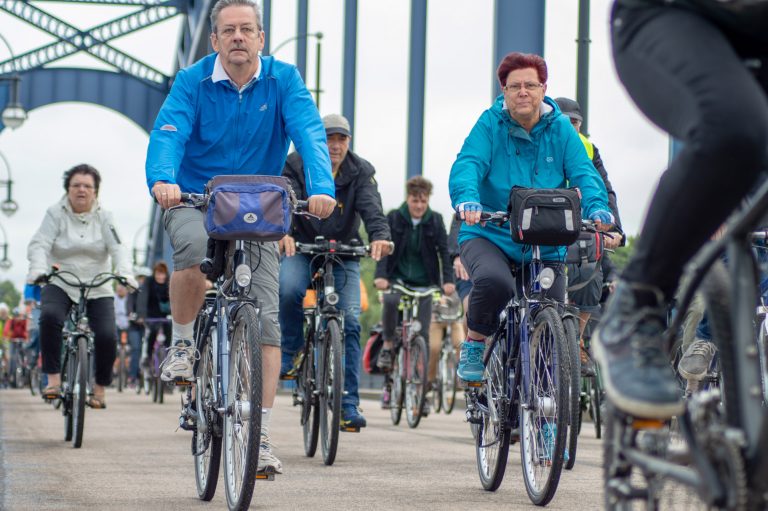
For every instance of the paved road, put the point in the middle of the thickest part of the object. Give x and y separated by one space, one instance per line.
132 459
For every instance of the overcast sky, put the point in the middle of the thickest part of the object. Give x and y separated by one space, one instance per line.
459 74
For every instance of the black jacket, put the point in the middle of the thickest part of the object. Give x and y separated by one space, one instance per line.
153 300
597 161
435 244
357 196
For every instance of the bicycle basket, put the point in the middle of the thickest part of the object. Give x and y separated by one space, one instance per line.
544 216
253 208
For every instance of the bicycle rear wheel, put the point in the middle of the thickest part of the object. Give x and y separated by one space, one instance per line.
571 327
544 422
79 392
332 377
448 377
310 409
206 440
416 381
242 423
68 375
493 434
34 380
122 375
398 384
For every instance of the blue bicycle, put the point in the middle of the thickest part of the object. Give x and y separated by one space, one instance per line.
524 392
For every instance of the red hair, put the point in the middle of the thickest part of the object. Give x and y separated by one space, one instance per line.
514 61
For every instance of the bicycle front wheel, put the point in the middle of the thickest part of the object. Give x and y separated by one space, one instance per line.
242 422
310 411
206 441
398 384
122 375
416 381
448 377
544 421
68 376
493 433
571 327
79 392
331 376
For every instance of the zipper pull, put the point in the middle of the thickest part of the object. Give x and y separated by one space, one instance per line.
114 234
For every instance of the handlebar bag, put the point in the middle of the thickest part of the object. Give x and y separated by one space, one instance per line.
544 216
249 207
587 249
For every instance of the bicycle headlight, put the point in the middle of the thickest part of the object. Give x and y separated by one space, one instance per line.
332 298
546 278
416 326
243 275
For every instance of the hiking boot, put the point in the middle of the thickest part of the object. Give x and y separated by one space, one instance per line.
268 462
351 417
548 436
696 360
471 361
587 364
178 363
385 360
638 377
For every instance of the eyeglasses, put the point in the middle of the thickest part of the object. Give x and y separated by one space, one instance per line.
516 87
81 185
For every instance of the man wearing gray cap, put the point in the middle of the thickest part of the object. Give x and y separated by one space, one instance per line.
357 198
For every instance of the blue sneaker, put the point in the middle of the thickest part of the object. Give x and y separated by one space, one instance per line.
351 417
289 366
471 361
548 437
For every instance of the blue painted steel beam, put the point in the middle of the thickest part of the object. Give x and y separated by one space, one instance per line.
302 27
350 65
266 20
416 79
518 26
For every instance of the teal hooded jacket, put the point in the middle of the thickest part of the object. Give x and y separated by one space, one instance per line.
499 154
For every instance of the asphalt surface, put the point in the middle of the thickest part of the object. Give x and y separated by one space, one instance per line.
132 458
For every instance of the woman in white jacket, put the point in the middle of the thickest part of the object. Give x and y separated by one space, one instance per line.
78 236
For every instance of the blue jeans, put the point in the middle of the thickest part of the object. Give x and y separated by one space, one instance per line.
135 335
295 277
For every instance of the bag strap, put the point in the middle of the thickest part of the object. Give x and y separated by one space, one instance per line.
582 285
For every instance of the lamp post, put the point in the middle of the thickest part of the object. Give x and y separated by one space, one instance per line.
5 263
319 37
8 206
14 114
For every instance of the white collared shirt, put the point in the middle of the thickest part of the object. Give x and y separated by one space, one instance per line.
219 74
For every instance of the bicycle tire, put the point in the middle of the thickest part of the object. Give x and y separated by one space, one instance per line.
67 379
596 399
34 380
244 401
437 387
79 392
616 471
398 384
121 373
159 383
493 433
332 378
545 422
310 411
448 392
571 326
208 462
416 381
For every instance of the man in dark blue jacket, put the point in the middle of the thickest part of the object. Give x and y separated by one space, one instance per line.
232 112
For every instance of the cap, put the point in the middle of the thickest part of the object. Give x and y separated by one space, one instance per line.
335 123
570 108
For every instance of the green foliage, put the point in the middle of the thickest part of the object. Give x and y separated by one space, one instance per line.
621 255
373 314
9 294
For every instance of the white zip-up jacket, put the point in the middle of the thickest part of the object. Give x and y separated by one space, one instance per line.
81 243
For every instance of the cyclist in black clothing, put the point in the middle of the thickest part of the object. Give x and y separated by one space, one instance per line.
686 63
154 302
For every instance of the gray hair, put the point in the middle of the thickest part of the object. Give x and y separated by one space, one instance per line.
223 4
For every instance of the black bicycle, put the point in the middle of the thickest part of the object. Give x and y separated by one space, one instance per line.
718 452
320 375
77 358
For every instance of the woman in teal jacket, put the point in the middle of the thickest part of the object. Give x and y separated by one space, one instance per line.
522 140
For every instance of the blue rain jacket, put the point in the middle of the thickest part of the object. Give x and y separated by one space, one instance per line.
499 154
206 129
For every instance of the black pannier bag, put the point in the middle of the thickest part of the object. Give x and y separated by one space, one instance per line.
544 216
587 249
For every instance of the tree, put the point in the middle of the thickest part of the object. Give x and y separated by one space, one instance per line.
9 294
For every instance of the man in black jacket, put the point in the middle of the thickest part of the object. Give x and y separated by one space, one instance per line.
420 259
357 197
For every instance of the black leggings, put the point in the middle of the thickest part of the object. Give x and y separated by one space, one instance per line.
54 306
390 315
494 284
153 330
686 75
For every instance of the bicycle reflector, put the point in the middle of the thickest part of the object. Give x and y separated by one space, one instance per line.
546 278
243 275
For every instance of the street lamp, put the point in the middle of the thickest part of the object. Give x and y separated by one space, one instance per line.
319 37
8 206
5 263
14 114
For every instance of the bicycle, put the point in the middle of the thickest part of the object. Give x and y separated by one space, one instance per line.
444 388
122 360
77 358
723 431
524 388
19 364
153 383
407 383
320 375
225 413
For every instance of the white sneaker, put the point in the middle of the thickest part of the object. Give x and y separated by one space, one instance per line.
178 363
268 462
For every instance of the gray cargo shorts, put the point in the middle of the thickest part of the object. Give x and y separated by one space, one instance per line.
186 229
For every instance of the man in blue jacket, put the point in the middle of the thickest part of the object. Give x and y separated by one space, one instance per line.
522 140
232 112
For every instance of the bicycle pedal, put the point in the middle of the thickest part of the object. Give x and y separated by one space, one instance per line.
349 429
648 424
473 384
287 377
181 382
265 476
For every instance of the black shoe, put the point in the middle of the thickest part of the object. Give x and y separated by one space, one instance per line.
385 360
694 365
636 371
352 418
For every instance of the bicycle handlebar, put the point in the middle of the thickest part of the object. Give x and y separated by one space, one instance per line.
332 247
59 274
413 293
